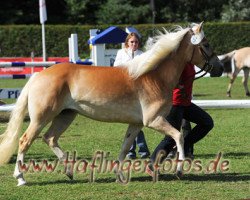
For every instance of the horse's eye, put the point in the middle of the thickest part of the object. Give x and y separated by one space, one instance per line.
206 45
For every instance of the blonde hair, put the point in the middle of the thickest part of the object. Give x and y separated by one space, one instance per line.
130 35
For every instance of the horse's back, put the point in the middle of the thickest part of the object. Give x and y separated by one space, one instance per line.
69 72
81 79
242 57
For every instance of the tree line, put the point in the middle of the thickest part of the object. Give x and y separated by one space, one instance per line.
83 12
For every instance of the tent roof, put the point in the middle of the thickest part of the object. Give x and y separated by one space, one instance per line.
112 34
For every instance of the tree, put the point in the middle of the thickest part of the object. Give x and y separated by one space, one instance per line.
27 12
82 12
236 11
189 11
124 12
16 12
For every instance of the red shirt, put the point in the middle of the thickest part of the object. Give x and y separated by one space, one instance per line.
182 94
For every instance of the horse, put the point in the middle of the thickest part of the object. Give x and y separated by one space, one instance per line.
139 93
241 60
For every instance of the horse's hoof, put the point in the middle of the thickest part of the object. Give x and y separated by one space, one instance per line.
21 182
69 175
228 94
179 175
248 94
120 178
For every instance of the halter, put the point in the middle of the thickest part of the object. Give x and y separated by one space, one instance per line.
207 67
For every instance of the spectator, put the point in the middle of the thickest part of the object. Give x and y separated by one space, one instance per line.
130 51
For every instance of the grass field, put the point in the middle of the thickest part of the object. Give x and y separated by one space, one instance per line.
230 136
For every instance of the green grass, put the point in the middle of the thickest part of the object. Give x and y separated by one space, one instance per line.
229 136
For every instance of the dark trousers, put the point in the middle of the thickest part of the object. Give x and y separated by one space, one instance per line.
186 129
204 123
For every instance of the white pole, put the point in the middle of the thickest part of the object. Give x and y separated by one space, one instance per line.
32 60
92 33
43 41
74 48
43 18
70 50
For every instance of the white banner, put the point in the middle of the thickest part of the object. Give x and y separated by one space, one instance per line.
9 93
42 11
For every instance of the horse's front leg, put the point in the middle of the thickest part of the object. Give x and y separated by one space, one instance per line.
129 138
162 125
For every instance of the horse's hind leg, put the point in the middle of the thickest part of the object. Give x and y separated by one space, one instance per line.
232 79
24 143
245 80
59 124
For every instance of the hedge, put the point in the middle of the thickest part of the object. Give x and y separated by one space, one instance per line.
21 40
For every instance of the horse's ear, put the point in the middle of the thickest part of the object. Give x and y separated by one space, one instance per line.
200 27
198 34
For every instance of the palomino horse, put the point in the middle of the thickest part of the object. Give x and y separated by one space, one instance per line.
139 94
241 60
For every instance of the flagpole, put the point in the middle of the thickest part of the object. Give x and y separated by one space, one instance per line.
43 18
43 42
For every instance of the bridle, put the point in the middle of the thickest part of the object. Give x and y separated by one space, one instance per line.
207 67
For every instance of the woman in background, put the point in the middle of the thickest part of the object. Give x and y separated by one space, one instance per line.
130 51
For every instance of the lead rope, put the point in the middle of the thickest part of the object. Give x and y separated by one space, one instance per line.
201 70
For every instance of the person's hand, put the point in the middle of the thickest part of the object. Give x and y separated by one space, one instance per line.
182 91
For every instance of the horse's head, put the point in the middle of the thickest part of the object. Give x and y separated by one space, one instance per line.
203 55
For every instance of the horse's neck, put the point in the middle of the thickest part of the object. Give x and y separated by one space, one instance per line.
168 73
172 68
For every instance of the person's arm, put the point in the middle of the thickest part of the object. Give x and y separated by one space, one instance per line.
118 59
138 52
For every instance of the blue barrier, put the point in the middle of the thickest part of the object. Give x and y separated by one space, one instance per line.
40 64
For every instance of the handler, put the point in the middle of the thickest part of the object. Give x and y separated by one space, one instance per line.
183 108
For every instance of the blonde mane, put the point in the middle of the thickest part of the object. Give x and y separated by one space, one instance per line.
160 47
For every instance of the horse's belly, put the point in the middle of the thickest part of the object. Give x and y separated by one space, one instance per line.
112 112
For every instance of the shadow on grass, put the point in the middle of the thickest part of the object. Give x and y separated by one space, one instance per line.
226 177
39 157
201 95
74 182
68 182
236 155
220 177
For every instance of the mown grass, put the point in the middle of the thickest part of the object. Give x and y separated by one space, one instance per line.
229 136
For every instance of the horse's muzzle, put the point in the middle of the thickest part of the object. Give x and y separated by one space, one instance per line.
217 68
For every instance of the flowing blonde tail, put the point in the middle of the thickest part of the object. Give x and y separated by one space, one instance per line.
10 137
